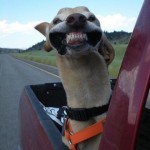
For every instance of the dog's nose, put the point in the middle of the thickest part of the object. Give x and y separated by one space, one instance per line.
76 20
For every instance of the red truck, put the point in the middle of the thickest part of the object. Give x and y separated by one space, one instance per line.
128 121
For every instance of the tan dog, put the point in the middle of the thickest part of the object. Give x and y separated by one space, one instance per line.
83 56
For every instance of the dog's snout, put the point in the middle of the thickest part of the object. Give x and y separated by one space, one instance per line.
76 20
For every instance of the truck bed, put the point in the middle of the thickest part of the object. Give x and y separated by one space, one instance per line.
43 132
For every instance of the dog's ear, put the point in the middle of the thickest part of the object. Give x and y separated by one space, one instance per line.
106 49
44 29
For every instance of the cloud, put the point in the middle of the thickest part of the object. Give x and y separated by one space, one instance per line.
23 35
18 35
15 27
117 22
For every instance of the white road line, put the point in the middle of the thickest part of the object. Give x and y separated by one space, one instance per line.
40 69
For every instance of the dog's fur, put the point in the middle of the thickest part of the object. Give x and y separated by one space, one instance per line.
82 63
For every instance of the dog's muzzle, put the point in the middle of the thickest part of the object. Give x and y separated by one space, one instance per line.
75 33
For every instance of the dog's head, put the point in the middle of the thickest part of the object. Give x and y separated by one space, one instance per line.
76 31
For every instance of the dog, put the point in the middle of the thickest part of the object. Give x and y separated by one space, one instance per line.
84 54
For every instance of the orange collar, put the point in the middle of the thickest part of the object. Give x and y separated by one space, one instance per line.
82 135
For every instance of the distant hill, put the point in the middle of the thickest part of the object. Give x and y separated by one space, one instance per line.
115 37
9 50
38 46
120 37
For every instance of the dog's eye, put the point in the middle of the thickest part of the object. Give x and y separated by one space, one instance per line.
56 21
91 18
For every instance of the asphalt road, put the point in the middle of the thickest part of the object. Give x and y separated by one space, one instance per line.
14 75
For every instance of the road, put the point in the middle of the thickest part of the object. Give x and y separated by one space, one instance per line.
14 75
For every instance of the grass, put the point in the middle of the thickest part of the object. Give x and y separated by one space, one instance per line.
38 56
49 58
114 67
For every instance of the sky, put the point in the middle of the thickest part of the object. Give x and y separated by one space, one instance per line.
18 17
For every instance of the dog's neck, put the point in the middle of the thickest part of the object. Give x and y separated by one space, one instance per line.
86 82
85 79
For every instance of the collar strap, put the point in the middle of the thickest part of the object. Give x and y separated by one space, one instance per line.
82 135
84 114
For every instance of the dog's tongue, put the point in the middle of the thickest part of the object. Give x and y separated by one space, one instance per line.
76 38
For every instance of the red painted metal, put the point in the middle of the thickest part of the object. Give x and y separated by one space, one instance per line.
32 134
37 130
131 89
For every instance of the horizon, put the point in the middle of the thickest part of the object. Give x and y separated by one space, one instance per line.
45 40
18 18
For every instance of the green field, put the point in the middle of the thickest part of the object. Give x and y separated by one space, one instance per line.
38 56
49 58
114 67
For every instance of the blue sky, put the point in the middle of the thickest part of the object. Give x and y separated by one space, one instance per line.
18 17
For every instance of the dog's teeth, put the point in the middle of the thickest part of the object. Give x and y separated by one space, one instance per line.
85 37
81 36
67 39
74 37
